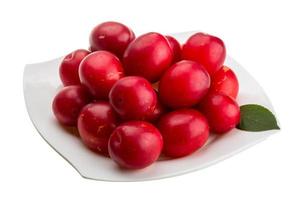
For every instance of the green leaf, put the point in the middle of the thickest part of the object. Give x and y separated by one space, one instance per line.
256 118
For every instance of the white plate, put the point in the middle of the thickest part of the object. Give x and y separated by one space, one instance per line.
41 82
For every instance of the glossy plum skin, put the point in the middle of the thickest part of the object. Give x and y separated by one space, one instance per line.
148 56
176 48
221 111
184 84
133 98
184 131
99 71
68 103
156 114
225 81
111 36
96 122
69 67
135 144
206 49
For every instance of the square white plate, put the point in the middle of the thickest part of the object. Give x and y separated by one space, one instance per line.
41 83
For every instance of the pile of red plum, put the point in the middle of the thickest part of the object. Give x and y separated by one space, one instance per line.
135 98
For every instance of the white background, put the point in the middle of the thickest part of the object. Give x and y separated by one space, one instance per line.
264 36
